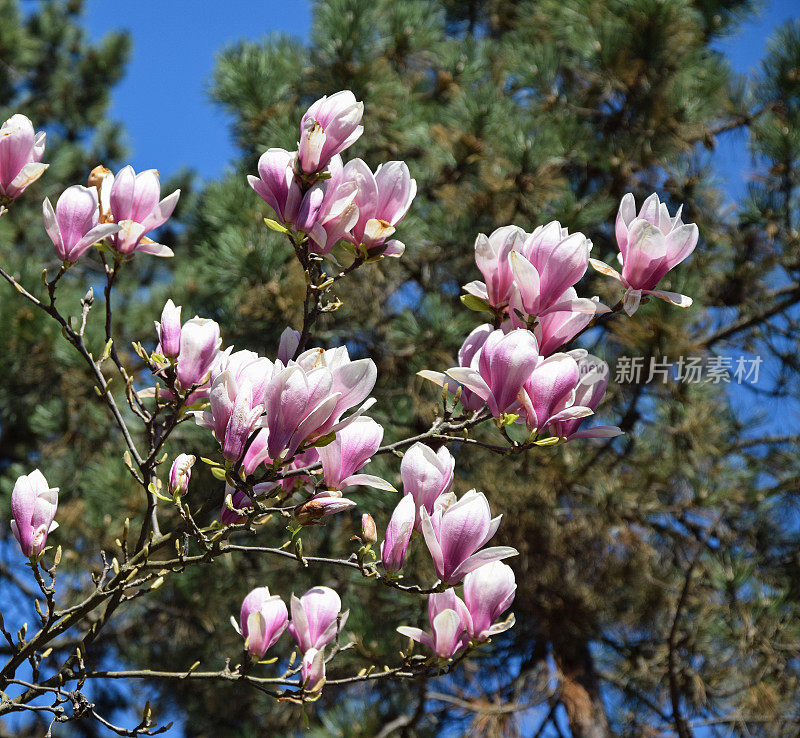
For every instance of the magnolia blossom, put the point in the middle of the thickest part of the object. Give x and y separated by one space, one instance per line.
497 370
557 327
455 532
548 394
337 213
74 225
290 340
307 398
239 501
21 152
325 211
549 263
262 620
276 183
532 274
650 244
233 414
398 534
350 450
312 669
328 127
488 592
180 473
169 331
321 505
450 623
33 508
382 199
134 204
426 475
195 346
588 393
468 356
316 619
491 257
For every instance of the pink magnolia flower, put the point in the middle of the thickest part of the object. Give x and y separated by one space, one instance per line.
548 395
169 330
499 370
322 505
239 500
337 212
589 392
33 508
398 534
467 358
550 262
328 127
233 415
491 257
135 205
307 398
74 225
21 151
454 534
426 475
262 620
488 592
650 244
199 348
557 327
350 450
450 623
316 620
290 340
277 185
180 473
312 669
383 199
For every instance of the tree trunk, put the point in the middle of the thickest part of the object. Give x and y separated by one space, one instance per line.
580 691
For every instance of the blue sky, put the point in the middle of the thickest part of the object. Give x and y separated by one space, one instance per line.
163 100
171 122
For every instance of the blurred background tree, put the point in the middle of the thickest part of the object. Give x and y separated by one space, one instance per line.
658 575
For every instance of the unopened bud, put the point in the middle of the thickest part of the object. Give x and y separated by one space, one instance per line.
321 505
369 533
180 474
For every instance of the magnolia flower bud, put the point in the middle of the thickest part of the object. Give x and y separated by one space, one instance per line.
33 507
312 670
320 506
180 474
169 330
398 534
369 533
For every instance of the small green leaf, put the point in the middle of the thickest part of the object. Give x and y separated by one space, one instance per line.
324 440
478 304
552 441
275 226
218 472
